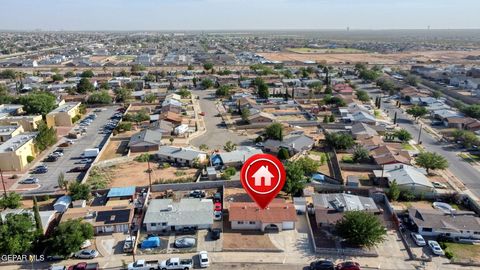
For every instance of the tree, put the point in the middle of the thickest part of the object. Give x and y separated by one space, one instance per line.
283 154
5 97
223 91
331 118
295 181
36 214
46 137
69 74
328 90
341 141
471 111
137 68
412 80
68 236
403 135
275 132
207 83
171 140
101 97
385 84
360 154
316 86
150 98
245 115
62 183
57 77
208 66
308 165
38 102
431 161
262 91
203 147
17 233
11 200
393 191
361 228
338 101
417 111
369 75
184 93
84 86
362 95
87 74
437 94
467 138
79 191
230 146
123 94
8 74
326 119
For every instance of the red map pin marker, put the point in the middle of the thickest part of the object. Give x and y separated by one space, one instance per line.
263 176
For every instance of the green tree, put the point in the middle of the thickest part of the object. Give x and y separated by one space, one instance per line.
437 94
69 74
417 111
203 147
262 91
137 68
431 161
331 118
171 140
283 154
412 80
84 86
184 93
223 91
403 135
467 138
101 97
124 126
362 95
79 191
360 154
361 228
208 66
46 137
38 102
68 236
326 119
150 98
245 115
36 214
340 141
8 74
230 146
369 75
295 181
123 94
316 86
207 83
385 84
11 200
471 111
338 101
394 191
17 233
5 97
87 74
62 183
57 77
308 165
275 132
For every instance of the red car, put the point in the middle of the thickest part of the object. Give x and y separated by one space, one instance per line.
348 266
218 206
84 266
202 113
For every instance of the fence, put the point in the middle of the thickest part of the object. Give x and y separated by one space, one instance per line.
196 185
359 167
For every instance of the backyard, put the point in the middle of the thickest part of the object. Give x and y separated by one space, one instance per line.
464 252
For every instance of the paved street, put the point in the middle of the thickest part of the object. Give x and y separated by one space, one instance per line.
217 134
49 180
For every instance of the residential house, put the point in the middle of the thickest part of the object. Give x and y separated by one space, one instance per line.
8 132
15 152
171 108
387 154
368 142
343 89
10 110
121 193
234 158
294 143
63 115
261 118
46 217
171 117
330 208
407 177
163 127
181 155
363 130
104 219
245 102
278 216
458 122
434 223
188 213
442 114
145 140
361 117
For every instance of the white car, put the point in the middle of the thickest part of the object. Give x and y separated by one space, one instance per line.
435 247
439 185
418 239
30 180
203 258
217 215
86 254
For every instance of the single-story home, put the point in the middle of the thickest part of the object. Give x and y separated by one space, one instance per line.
234 158
261 118
167 215
386 154
279 215
363 129
293 143
407 177
181 155
164 127
145 140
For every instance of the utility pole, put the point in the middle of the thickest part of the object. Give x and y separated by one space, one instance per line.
149 175
420 134
3 183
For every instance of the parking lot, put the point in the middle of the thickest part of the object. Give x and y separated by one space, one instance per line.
48 181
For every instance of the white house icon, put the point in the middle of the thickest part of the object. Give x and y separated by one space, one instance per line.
264 173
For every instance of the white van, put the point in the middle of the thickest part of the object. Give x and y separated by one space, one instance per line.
203 258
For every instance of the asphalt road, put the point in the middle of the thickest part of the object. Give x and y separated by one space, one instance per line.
92 138
217 134
469 176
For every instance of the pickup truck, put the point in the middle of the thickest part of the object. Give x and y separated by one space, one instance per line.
84 266
143 265
176 263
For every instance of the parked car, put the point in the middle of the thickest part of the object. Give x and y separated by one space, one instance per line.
435 247
439 185
185 242
217 215
84 161
197 194
39 170
129 244
217 197
418 239
51 158
322 265
84 266
143 265
30 180
57 154
349 265
65 144
176 263
86 254
202 113
203 259
216 232
218 206
79 169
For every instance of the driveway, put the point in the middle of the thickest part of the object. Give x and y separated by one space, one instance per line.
216 134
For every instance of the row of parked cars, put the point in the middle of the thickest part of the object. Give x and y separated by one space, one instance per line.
433 245
329 265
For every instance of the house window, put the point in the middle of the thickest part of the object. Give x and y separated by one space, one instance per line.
476 233
164 223
427 229
252 222
153 224
239 222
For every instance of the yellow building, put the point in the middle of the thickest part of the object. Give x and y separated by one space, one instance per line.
8 132
63 115
28 122
14 152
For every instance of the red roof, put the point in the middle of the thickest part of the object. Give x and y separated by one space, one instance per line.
277 211
343 88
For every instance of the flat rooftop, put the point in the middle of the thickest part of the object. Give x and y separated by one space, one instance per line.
7 130
16 142
65 107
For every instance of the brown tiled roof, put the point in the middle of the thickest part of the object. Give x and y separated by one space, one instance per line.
386 155
171 116
277 211
329 216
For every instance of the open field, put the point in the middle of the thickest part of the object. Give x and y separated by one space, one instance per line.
464 252
335 50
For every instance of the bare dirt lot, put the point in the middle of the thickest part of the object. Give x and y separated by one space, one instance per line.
245 240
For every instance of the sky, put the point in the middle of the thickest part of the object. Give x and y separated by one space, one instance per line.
77 15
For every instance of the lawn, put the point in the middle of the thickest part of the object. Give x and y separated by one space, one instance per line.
408 147
464 252
469 157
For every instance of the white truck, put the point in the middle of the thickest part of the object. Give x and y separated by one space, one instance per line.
90 153
176 264
129 244
143 265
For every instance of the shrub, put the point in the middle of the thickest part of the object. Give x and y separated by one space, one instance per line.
449 254
30 159
165 165
143 157
180 173
347 159
230 171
